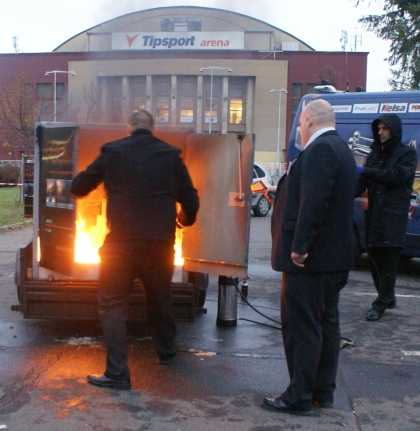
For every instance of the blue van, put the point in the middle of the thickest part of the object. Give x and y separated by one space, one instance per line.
354 115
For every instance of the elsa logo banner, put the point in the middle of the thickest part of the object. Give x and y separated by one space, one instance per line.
366 108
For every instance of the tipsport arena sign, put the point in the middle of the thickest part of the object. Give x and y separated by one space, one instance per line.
178 40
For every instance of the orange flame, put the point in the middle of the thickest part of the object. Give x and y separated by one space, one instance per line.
179 260
89 240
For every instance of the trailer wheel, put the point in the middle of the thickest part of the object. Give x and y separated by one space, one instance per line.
201 282
19 294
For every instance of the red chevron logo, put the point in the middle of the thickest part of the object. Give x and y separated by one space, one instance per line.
130 39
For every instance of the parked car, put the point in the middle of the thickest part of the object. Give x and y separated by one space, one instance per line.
259 204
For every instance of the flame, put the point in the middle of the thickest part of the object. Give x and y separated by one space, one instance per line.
89 239
179 260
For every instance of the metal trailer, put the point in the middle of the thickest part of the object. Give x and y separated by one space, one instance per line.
51 285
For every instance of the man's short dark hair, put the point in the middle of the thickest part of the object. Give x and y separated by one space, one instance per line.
141 119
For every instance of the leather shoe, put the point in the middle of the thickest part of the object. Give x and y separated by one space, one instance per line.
277 405
374 314
323 404
166 359
102 380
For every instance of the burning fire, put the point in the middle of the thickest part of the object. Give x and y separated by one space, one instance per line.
90 238
179 260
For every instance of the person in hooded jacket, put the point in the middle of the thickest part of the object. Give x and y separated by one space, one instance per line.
388 177
144 178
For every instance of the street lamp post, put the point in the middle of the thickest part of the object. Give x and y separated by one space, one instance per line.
280 91
211 68
54 72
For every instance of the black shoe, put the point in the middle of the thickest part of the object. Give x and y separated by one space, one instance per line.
323 404
166 359
277 405
374 314
391 305
102 380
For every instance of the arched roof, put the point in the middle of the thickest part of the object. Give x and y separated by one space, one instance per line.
257 33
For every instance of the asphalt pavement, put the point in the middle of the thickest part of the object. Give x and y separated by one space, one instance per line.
221 374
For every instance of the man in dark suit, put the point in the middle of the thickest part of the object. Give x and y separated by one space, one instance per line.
312 245
144 178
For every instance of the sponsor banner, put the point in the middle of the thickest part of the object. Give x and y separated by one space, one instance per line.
186 119
414 107
179 40
342 108
365 108
393 107
207 120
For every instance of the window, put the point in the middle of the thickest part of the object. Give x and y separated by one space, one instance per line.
180 24
236 101
186 89
162 101
29 88
211 100
310 88
115 99
137 93
59 90
296 96
296 91
44 91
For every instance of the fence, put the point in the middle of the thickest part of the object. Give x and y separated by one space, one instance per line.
11 163
271 168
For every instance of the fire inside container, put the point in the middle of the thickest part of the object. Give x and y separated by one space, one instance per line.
57 271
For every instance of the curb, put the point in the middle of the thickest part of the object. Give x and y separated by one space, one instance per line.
15 226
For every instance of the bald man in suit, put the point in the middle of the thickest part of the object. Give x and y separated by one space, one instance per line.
312 246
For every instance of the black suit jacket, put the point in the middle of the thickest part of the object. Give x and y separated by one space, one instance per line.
144 177
313 210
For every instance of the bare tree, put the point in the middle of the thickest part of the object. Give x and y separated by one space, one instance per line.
92 98
17 113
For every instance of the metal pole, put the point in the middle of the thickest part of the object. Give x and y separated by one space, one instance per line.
55 97
211 98
278 140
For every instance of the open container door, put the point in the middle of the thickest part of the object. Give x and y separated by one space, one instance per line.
221 170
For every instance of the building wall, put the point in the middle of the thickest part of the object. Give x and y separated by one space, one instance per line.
110 83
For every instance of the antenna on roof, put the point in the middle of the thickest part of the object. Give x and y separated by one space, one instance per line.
15 44
344 40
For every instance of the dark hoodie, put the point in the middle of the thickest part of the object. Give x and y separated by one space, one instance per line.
388 177
395 126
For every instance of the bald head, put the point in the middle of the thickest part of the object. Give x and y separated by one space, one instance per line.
321 113
141 119
316 115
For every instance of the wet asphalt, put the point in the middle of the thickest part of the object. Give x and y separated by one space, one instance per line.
221 374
